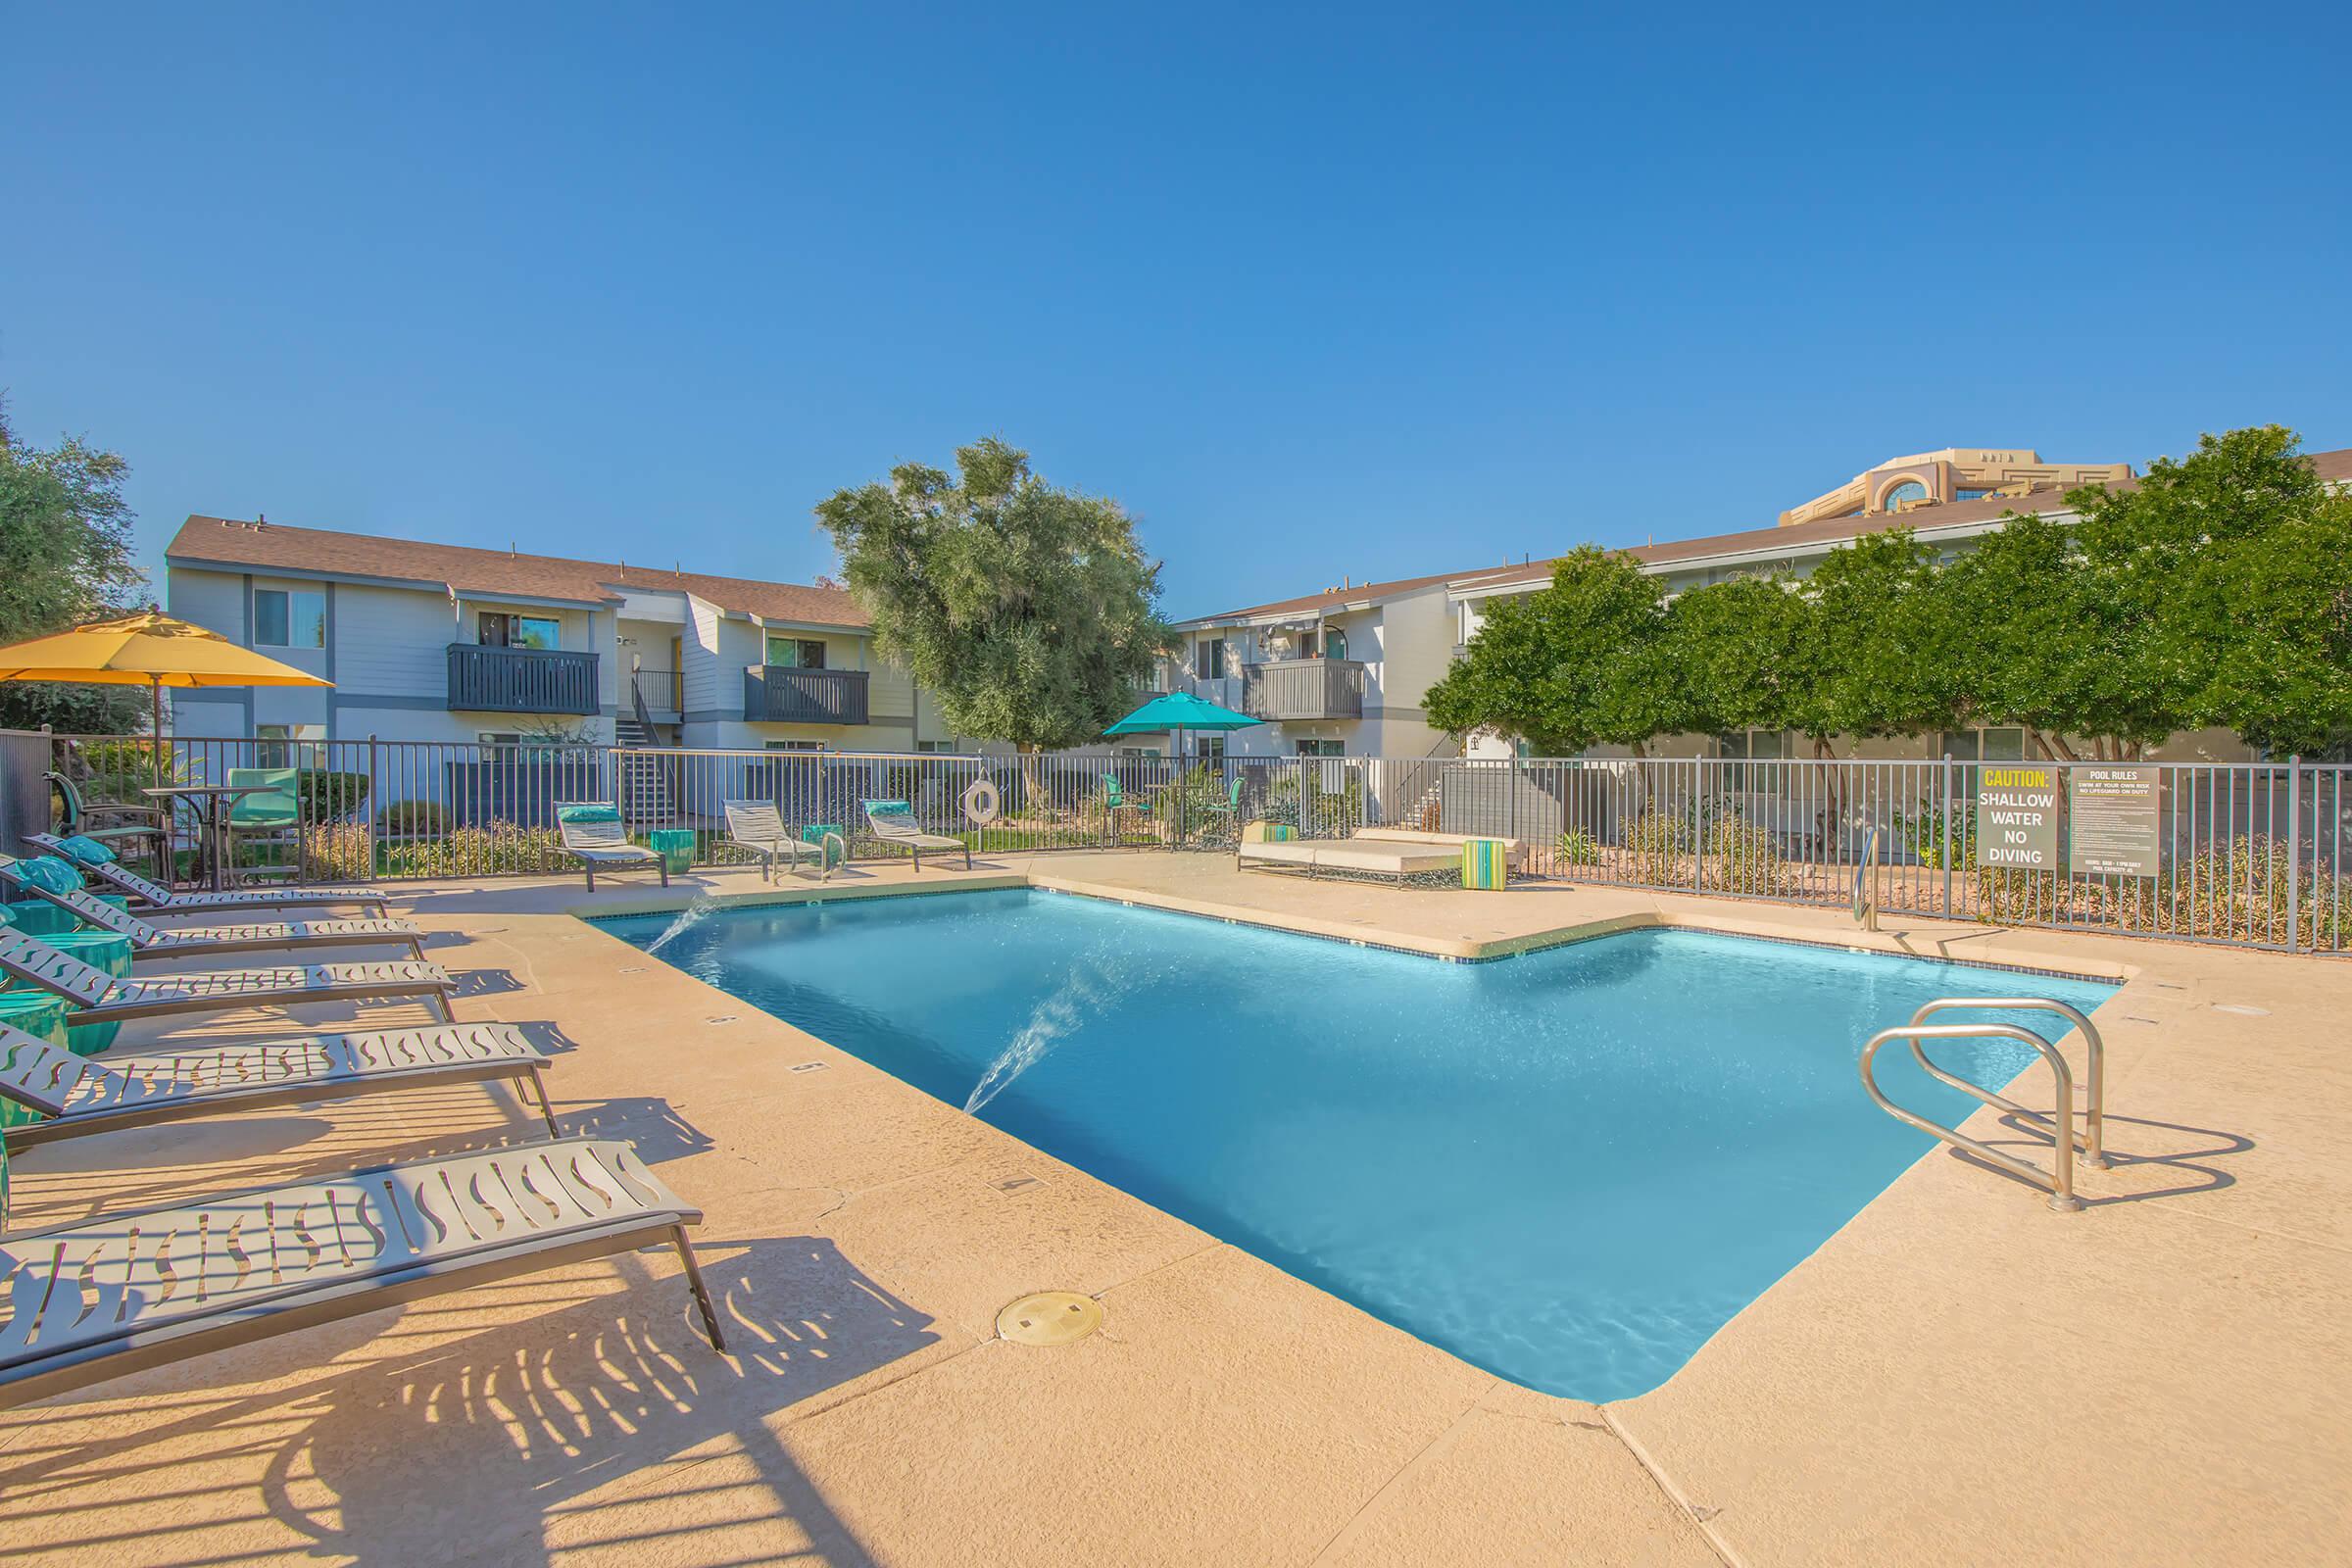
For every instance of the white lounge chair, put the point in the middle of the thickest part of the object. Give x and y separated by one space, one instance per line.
100 1297
592 832
161 902
758 826
893 822
102 999
77 1094
47 878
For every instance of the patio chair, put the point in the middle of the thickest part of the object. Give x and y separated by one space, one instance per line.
161 903
78 1094
592 833
758 826
272 814
150 823
56 881
100 1297
102 999
893 822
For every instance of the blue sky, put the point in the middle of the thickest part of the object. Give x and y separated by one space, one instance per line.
1325 292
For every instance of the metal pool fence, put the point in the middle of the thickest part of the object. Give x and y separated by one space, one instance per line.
2250 853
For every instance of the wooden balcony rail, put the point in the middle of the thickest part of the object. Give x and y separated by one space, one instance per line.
778 694
1304 688
520 680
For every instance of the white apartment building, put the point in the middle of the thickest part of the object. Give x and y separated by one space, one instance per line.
428 641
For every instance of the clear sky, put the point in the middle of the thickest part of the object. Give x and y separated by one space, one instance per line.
1319 293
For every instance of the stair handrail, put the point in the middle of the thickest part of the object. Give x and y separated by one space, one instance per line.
643 715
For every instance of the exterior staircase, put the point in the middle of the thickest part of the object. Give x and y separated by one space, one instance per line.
644 782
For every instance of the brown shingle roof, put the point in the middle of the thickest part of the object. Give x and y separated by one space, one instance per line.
263 546
1331 599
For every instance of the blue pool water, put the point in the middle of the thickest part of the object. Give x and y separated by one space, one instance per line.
1569 1168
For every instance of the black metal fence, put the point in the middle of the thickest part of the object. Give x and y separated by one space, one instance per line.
2251 853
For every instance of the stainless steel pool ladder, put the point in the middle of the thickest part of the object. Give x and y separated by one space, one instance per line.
2059 1179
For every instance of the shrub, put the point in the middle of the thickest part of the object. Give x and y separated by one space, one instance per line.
331 795
1657 840
1741 858
1579 847
338 852
413 819
502 849
1922 836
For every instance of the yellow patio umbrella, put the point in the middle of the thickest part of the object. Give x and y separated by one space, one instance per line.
146 648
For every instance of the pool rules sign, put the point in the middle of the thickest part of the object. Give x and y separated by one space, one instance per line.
2114 812
2017 816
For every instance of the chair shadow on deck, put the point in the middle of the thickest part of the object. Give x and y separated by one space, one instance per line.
490 1448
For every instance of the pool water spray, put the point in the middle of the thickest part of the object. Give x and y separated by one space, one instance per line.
700 904
1081 997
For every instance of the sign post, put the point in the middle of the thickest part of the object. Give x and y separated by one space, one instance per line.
2017 816
2113 815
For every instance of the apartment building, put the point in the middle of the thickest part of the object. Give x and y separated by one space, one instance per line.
428 641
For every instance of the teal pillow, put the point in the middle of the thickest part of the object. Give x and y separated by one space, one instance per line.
588 814
7 915
887 808
88 850
48 873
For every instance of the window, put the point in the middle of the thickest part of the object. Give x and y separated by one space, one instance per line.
1972 495
2002 743
289 617
936 748
1209 657
1896 495
496 628
1753 746
1322 749
795 746
1136 753
290 746
796 653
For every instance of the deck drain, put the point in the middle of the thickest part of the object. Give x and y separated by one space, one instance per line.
808 1066
1018 1184
1050 1317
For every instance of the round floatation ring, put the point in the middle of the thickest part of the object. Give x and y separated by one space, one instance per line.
980 803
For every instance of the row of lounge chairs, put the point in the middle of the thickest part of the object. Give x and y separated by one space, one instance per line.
100 1297
593 832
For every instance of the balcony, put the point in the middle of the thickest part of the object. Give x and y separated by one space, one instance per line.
520 680
778 694
1304 688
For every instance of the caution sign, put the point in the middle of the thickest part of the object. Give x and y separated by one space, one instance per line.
2017 816
2112 815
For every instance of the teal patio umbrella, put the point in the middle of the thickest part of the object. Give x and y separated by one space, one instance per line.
1176 712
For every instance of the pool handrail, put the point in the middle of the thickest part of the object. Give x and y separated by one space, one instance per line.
2059 1179
2095 1066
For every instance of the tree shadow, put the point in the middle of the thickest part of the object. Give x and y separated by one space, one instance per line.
605 1422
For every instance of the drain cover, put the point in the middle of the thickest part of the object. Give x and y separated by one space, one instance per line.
1050 1317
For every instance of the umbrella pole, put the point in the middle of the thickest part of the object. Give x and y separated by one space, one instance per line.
155 725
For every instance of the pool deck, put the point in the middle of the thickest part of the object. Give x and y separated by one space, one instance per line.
1957 1376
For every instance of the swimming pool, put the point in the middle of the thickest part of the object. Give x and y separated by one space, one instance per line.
1569 1168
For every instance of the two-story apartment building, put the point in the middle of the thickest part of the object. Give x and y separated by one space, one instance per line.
1336 673
428 641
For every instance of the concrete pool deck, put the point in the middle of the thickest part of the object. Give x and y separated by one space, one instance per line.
1956 1376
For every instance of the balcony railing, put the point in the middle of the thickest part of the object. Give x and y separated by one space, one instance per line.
520 680
1304 688
778 694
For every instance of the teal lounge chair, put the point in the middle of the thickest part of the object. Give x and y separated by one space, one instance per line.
98 861
592 833
56 881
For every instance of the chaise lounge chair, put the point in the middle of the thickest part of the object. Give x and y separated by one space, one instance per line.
758 826
102 999
593 833
56 881
159 900
101 1297
1394 852
893 822
81 1095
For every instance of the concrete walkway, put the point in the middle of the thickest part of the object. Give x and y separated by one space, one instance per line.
1957 1376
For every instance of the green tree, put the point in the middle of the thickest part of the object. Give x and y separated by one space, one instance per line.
1863 669
1582 663
65 556
1740 649
1027 611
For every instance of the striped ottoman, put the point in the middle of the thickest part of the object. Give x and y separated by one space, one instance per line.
1484 865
